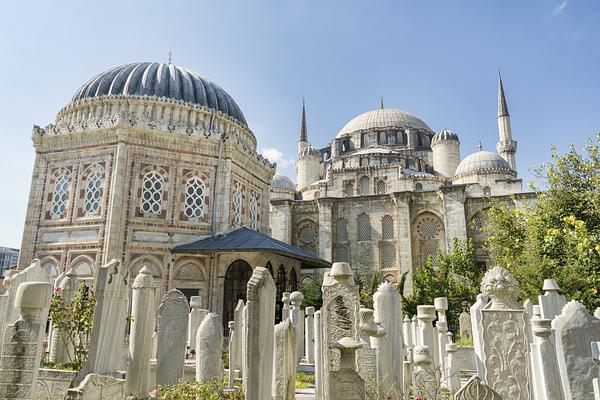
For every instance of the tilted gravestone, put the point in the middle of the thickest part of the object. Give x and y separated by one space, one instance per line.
574 331
260 314
504 337
173 314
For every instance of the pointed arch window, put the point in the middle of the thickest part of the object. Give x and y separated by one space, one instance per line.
60 197
152 193
293 285
387 228
254 214
280 281
341 231
237 207
364 228
380 188
93 191
195 192
349 189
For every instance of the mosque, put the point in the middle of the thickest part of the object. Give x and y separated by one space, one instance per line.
153 164
388 192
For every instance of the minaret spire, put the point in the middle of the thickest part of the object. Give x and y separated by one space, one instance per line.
502 107
506 147
303 134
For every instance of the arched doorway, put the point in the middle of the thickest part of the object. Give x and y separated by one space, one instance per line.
237 277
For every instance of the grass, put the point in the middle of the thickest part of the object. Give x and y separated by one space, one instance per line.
304 380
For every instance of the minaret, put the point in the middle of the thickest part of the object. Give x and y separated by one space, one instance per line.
303 139
506 147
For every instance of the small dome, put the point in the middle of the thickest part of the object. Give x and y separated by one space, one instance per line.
444 135
383 118
161 80
282 182
309 151
482 161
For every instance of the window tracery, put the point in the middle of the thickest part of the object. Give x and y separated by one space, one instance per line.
387 228
364 227
341 230
380 188
237 207
363 185
93 191
253 214
152 193
195 192
60 197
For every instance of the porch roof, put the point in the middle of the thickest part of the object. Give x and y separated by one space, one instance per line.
246 240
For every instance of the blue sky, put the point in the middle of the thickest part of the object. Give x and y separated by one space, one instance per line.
437 60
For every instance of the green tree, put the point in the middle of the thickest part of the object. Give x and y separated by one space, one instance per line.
559 235
454 275
74 321
312 292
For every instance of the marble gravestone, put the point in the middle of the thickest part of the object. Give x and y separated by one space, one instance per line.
552 302
464 323
284 362
195 318
475 389
504 337
339 318
173 314
575 329
209 344
259 332
235 359
346 383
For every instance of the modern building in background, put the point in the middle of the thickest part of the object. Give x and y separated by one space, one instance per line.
8 258
388 191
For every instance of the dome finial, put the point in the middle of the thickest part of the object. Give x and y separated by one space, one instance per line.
381 102
170 58
480 146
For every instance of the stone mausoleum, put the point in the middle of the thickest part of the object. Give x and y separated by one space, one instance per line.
146 157
388 191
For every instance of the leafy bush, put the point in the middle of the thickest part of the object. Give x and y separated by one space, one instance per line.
213 390
312 292
304 380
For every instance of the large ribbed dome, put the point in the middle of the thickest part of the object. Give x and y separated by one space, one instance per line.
161 80
383 118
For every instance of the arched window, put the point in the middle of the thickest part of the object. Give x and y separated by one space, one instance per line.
152 193
341 231
269 267
387 228
363 186
380 188
237 207
254 214
93 191
419 186
293 286
341 253
364 140
236 279
60 197
364 228
487 191
403 138
349 189
388 255
195 191
429 231
280 282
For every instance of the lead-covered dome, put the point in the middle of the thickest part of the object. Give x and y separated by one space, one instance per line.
161 80
383 118
282 182
309 151
482 162
444 135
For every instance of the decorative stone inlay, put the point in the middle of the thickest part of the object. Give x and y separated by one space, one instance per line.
501 287
475 389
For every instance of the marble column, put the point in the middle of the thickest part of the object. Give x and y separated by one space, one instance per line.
309 335
140 337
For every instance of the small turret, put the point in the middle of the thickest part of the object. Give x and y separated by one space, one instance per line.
445 147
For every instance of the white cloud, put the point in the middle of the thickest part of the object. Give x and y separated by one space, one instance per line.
560 8
276 156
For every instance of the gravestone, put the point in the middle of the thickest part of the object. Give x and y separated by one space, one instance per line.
98 387
194 322
346 383
388 312
232 349
235 359
596 359
597 313
367 354
424 375
61 349
475 389
504 342
476 330
173 314
110 313
318 357
309 334
546 379
209 344
426 334
297 317
260 314
23 340
441 305
140 337
452 367
285 309
385 378
574 331
339 317
284 362
464 323
552 302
